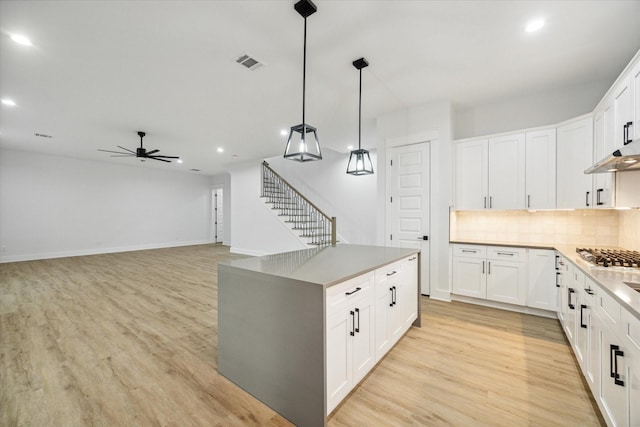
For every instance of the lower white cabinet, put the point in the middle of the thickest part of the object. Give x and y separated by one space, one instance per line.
396 303
350 336
490 272
605 339
365 317
541 281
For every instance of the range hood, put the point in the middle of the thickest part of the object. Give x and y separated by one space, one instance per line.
625 158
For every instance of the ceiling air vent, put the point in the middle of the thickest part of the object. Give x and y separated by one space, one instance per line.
42 135
249 62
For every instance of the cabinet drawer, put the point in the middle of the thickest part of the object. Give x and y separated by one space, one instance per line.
389 271
469 251
346 292
579 278
506 253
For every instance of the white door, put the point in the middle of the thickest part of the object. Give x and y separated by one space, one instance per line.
218 216
408 202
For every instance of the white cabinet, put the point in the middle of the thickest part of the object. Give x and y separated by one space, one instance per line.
567 313
592 352
543 292
631 339
540 169
507 275
396 302
635 100
472 178
574 189
490 272
603 137
469 268
507 172
350 336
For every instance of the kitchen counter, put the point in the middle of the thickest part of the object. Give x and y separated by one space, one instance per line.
612 281
272 321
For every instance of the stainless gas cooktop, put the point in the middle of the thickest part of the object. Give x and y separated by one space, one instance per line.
611 258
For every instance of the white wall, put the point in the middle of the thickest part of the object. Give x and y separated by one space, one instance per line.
432 123
351 199
224 181
255 229
53 206
520 112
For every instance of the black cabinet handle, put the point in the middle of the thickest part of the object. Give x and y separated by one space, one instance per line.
353 292
482 267
557 262
490 202
506 253
358 327
557 277
598 192
528 200
614 352
353 323
394 294
392 273
588 291
485 202
470 251
629 124
587 199
488 267
413 259
392 302
582 307
571 306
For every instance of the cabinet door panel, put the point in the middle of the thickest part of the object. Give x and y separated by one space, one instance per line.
383 318
507 172
603 136
574 189
339 369
471 162
635 85
540 170
506 282
543 292
363 341
612 396
409 292
469 277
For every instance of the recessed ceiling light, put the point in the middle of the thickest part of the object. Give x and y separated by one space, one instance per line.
220 150
534 25
284 132
179 161
349 147
9 102
21 40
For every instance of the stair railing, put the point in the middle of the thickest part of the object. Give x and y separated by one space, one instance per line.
306 217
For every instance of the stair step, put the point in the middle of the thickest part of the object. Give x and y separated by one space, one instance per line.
307 228
294 215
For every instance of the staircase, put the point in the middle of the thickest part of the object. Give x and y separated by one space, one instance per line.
314 226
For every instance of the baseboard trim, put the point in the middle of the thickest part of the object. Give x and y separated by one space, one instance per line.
505 306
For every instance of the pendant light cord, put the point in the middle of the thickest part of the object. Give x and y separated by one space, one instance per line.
360 112
304 76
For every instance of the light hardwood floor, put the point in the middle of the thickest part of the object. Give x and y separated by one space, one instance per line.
130 339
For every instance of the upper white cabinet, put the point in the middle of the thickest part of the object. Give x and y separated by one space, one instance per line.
472 178
603 137
506 172
635 101
490 173
574 154
540 169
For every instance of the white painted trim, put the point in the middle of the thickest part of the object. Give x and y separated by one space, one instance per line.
505 306
241 251
83 252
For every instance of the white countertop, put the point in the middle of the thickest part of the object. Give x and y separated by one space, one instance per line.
612 281
324 266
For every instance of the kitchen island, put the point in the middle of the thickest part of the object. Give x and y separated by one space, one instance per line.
299 330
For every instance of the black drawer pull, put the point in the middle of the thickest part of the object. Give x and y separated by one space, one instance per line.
470 251
358 327
413 259
392 273
571 306
582 325
353 292
506 253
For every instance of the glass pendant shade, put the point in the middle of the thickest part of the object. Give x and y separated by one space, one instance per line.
303 144
360 163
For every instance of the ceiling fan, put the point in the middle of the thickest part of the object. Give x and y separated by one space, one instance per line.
141 152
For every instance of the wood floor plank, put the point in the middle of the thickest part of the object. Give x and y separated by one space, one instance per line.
131 339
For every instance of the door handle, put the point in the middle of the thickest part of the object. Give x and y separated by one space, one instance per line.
353 292
423 238
528 200
392 273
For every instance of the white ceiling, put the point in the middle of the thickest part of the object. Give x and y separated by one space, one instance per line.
99 71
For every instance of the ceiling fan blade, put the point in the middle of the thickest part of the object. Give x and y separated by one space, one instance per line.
161 160
152 151
126 149
167 157
117 152
122 155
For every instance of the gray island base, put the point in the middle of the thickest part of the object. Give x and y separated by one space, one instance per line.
287 330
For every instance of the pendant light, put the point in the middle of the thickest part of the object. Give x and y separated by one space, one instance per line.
359 160
303 144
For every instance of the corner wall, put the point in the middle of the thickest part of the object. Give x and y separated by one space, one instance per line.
52 206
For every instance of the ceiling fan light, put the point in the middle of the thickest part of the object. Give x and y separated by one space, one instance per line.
360 163
303 144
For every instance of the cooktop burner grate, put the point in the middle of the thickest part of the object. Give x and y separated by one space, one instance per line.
610 257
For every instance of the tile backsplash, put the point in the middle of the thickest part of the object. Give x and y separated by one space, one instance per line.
601 227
